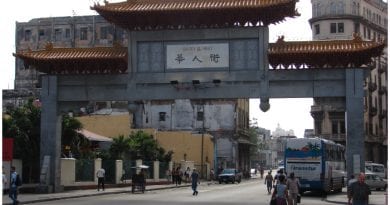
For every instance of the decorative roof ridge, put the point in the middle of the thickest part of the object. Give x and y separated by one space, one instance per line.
356 40
51 48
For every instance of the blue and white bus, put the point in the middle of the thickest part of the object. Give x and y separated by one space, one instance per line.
318 163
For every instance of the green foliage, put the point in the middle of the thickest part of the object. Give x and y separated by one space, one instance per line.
24 126
120 147
138 145
78 144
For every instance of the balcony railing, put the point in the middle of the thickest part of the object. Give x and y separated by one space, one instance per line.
372 87
383 114
382 90
373 111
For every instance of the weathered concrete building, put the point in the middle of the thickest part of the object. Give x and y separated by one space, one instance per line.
334 19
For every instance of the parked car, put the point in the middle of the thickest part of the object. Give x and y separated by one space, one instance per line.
230 175
376 182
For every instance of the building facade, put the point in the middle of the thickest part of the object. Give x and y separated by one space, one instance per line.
68 32
335 19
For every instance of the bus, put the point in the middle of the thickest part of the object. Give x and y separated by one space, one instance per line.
318 163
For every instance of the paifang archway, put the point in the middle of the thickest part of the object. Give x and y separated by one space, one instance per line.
226 55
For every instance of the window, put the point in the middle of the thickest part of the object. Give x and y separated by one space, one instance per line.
162 116
57 34
27 35
41 34
335 127
84 33
333 8
199 116
104 31
317 29
333 28
336 27
67 33
340 27
357 28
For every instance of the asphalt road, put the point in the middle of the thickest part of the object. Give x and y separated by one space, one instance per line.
246 193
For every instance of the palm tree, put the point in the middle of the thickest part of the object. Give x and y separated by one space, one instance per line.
120 145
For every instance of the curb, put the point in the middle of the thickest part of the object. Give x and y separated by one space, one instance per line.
92 194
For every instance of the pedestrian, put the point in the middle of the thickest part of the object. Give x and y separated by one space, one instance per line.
5 181
195 181
13 186
268 180
359 192
351 180
212 174
261 171
100 174
187 175
280 191
293 189
168 175
179 175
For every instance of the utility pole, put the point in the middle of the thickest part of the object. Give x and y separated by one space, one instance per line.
201 153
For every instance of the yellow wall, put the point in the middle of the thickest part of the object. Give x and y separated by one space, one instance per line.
186 143
107 125
179 142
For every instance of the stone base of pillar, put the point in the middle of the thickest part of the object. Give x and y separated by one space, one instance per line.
44 189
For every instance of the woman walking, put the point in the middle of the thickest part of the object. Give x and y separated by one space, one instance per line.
280 191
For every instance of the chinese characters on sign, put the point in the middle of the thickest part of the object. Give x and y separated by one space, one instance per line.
198 56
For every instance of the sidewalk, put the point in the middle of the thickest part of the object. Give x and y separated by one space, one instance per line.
34 198
378 198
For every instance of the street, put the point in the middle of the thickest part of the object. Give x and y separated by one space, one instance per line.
248 192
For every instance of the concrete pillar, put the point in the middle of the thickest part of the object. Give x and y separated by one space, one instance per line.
156 171
98 165
118 171
51 121
68 171
138 163
208 167
354 101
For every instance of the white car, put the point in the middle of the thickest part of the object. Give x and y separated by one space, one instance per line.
376 182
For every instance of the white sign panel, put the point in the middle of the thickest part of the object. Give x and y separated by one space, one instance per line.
214 55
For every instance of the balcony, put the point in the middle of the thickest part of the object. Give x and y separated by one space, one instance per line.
373 111
372 87
382 68
382 90
383 114
317 112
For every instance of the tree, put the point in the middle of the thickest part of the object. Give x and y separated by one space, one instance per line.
23 124
72 140
138 145
119 147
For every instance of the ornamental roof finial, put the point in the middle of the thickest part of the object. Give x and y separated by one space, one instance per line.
356 37
280 39
49 46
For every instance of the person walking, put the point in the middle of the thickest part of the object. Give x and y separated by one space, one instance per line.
195 181
268 180
280 191
187 175
13 188
168 175
5 181
293 189
359 192
100 174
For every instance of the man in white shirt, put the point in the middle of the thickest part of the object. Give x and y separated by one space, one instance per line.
100 175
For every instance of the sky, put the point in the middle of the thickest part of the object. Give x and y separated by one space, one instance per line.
288 113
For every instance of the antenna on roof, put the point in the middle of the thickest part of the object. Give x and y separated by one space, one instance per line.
73 13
